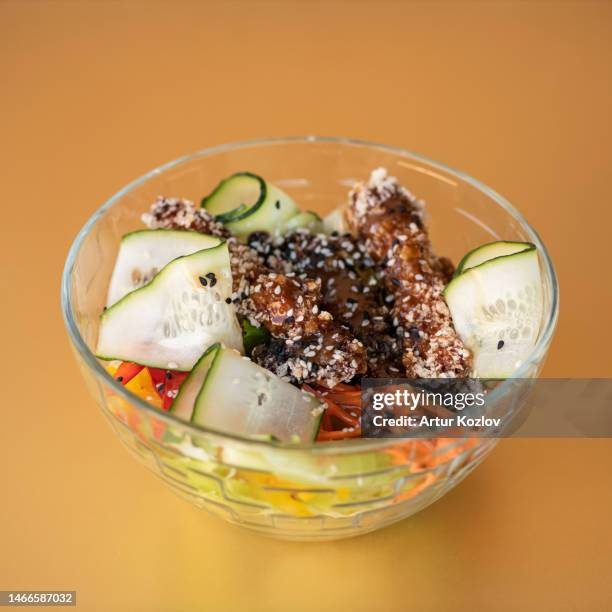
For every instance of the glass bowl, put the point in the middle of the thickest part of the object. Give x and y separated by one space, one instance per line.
318 491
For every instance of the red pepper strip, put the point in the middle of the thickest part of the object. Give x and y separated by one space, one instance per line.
126 371
173 384
157 376
167 384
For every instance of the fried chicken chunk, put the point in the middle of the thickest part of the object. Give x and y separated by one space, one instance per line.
315 347
176 213
389 220
351 289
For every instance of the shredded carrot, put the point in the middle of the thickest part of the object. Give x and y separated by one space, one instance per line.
341 421
352 402
335 411
341 418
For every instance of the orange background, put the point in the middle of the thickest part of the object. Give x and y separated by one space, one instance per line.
94 94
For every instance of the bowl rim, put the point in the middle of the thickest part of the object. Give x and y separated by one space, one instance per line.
341 445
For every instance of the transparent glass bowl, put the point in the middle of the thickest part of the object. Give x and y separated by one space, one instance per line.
315 492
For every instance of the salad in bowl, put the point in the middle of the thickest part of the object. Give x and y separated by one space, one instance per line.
226 321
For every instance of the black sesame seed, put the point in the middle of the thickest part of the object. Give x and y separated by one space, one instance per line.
211 275
203 281
277 204
500 345
257 239
396 281
160 387
228 300
413 332
120 378
168 375
335 233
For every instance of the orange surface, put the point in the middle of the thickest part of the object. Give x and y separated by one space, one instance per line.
94 94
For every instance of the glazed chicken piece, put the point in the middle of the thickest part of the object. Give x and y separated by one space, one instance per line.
350 287
312 346
307 345
176 213
389 220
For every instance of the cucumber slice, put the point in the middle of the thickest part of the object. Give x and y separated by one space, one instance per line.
243 398
246 203
489 251
166 323
335 221
235 195
307 220
142 254
184 402
497 311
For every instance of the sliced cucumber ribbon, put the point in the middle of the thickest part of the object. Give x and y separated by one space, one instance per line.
166 323
184 402
240 397
497 307
491 250
308 220
142 254
336 221
246 203
236 197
